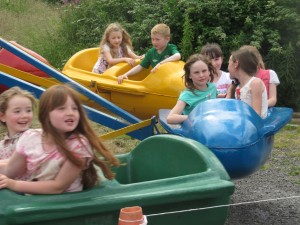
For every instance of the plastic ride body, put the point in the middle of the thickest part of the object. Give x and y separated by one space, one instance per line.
233 131
181 175
141 95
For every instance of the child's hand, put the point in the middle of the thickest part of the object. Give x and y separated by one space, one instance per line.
155 68
130 61
221 95
120 78
5 182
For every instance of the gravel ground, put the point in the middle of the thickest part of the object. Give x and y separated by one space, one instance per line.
273 182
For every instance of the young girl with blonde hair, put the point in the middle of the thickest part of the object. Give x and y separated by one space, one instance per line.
16 113
61 156
115 47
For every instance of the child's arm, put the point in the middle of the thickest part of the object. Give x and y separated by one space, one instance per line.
3 164
175 116
134 56
65 177
131 72
256 91
272 95
230 91
172 58
15 166
113 61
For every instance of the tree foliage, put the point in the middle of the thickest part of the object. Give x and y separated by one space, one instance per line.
270 25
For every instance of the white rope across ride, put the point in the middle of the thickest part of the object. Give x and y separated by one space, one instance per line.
219 206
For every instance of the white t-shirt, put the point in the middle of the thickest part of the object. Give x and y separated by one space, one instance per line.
274 78
223 83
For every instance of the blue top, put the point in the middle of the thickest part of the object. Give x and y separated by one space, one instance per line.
152 57
194 98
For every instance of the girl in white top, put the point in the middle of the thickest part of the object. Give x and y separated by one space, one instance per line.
221 79
115 47
60 157
243 66
273 80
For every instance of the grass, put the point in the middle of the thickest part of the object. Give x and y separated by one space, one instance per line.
28 25
36 25
287 151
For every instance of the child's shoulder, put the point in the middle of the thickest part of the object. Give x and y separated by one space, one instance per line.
211 85
78 139
32 132
31 137
171 45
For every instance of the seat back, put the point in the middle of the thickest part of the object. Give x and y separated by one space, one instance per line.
165 156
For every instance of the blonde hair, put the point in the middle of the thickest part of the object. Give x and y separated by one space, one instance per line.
56 96
161 29
254 50
7 95
126 39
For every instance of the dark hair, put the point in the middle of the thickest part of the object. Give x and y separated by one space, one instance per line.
212 50
187 69
247 60
56 96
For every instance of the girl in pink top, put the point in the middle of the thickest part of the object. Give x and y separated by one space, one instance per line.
60 157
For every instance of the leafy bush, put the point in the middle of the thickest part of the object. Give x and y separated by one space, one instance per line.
230 23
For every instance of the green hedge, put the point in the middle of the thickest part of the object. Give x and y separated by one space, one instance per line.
271 26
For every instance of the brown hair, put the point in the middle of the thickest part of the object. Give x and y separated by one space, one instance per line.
257 54
187 69
7 95
161 29
212 50
248 61
56 96
126 39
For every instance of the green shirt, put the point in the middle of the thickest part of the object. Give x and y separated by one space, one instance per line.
152 57
192 99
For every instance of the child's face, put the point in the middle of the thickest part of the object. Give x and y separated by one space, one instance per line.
65 118
18 115
217 62
115 38
159 42
231 68
199 73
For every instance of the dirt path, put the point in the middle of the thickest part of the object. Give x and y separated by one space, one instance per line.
270 183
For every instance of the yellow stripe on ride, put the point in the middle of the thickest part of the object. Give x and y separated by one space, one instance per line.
126 130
